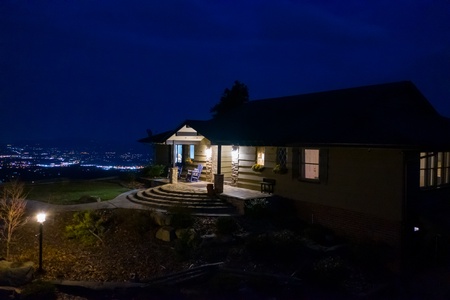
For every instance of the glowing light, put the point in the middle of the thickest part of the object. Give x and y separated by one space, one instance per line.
208 153
235 153
40 217
416 229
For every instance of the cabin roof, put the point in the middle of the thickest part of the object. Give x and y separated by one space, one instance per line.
384 115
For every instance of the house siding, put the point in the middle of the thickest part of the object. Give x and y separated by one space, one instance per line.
363 180
361 197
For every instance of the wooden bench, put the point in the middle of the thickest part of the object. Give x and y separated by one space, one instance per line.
267 185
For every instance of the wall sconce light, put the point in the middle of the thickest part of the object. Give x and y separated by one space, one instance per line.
235 153
208 153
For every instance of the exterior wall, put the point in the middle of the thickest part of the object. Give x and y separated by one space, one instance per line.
225 162
363 180
247 158
362 196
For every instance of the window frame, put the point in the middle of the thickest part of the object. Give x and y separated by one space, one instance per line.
304 164
260 155
281 158
434 169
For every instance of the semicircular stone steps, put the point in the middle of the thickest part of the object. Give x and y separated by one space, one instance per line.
164 197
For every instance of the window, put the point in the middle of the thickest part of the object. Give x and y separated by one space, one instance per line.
310 164
191 152
260 155
178 153
281 157
434 169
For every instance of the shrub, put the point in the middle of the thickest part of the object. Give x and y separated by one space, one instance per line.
318 233
89 227
39 290
331 269
275 246
257 208
372 255
139 221
127 177
181 217
153 171
185 245
226 225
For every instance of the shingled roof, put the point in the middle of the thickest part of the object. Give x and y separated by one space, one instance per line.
386 115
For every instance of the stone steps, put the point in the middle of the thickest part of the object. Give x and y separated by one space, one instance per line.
163 198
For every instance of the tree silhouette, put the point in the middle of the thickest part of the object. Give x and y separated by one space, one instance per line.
231 98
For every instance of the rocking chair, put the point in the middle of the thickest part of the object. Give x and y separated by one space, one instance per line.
194 175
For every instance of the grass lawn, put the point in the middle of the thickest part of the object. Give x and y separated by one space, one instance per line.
73 192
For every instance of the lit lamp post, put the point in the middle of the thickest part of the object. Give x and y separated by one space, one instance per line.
41 219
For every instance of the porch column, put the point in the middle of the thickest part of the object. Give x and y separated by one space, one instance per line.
218 178
173 176
219 159
173 154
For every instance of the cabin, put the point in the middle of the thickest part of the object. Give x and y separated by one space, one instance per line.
370 162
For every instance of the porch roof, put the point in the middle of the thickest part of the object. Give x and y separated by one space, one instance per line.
183 134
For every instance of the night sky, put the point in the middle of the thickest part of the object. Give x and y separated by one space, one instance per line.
109 70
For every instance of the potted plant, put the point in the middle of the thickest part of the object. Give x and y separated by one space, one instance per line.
257 168
279 169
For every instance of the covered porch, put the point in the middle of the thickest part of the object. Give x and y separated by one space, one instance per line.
235 196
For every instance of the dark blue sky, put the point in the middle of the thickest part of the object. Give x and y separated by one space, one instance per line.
108 70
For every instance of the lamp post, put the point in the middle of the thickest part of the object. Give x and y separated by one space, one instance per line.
41 219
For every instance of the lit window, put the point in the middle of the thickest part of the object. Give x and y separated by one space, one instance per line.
434 169
178 153
310 164
260 155
191 152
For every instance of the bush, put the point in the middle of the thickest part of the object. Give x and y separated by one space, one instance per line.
89 227
139 221
181 217
226 225
127 177
185 245
153 171
332 269
318 234
275 246
257 208
39 290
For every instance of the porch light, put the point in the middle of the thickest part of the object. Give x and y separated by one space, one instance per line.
416 229
208 153
235 153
